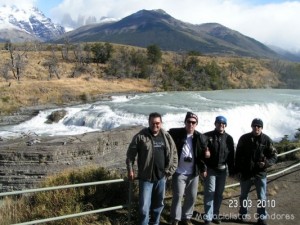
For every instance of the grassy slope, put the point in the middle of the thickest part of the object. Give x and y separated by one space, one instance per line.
35 87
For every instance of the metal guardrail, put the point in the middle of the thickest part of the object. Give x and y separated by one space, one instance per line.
71 215
72 186
274 174
107 182
61 187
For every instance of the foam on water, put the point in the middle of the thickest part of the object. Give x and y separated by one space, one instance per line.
280 117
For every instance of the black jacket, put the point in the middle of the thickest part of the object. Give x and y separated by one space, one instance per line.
250 151
199 145
221 148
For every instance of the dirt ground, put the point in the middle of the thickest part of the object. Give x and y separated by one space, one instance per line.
283 200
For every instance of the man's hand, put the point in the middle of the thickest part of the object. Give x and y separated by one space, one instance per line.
131 176
203 174
261 164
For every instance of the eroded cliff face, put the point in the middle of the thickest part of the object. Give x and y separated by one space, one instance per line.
24 162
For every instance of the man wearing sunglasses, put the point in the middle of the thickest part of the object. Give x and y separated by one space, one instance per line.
219 161
190 145
156 159
254 154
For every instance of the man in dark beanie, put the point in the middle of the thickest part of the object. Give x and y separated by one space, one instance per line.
254 154
190 144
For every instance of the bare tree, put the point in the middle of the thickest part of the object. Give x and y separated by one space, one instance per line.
4 71
65 49
17 60
78 53
52 65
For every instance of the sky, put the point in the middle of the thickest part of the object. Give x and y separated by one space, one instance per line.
272 22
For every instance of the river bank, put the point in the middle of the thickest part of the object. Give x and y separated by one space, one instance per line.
27 160
25 113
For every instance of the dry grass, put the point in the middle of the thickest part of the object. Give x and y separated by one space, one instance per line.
48 204
35 92
37 88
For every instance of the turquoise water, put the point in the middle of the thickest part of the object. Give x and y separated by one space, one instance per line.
279 109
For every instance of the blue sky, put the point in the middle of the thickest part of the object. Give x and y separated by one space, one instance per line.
272 22
46 5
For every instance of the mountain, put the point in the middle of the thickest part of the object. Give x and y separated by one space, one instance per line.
18 25
291 56
147 27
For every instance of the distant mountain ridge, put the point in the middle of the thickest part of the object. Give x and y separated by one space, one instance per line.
142 28
147 27
19 25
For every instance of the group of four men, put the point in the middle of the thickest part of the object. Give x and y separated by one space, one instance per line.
184 154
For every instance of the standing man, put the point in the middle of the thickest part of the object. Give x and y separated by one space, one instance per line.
254 154
219 161
190 144
156 159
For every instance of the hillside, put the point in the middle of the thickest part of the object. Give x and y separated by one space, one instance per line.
147 27
46 76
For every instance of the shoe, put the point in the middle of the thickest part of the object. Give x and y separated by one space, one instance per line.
261 222
217 221
186 222
206 222
175 222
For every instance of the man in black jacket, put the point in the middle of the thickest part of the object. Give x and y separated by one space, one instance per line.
190 144
254 154
219 161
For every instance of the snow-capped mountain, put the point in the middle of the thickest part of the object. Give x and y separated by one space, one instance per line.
18 25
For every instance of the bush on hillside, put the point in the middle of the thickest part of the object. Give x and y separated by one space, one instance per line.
61 202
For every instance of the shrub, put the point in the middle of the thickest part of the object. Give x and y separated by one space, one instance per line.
55 203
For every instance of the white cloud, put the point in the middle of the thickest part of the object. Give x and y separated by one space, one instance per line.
269 23
272 22
20 4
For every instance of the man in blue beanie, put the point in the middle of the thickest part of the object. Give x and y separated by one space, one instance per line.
219 161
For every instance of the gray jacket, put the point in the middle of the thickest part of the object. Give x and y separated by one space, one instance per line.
142 147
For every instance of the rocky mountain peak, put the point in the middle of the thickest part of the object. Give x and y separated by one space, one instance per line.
27 23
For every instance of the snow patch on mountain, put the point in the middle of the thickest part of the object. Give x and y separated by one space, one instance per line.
28 20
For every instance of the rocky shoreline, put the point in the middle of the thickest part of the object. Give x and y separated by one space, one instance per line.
27 160
26 113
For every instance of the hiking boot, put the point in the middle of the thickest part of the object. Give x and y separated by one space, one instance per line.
217 221
175 222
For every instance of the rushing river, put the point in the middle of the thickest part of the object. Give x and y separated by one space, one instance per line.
279 109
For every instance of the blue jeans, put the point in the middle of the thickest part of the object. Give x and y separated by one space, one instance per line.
183 185
151 197
214 185
261 188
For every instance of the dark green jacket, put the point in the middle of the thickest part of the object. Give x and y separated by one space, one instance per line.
141 147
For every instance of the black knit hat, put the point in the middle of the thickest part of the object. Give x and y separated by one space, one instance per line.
257 122
191 115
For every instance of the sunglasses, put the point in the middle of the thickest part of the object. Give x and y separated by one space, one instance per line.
156 123
257 126
191 122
